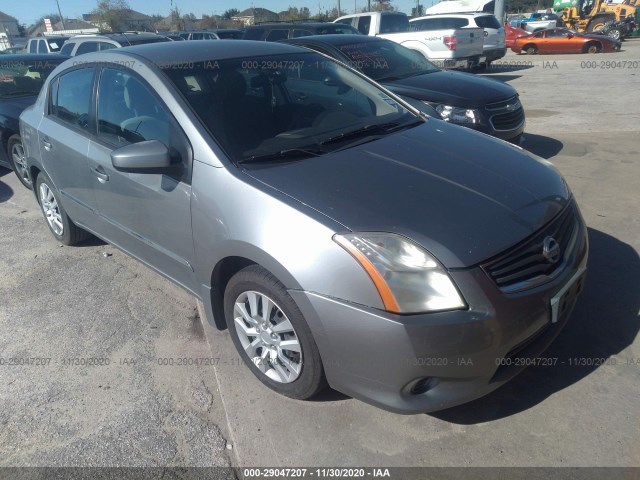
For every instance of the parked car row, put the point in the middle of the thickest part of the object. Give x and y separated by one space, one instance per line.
342 237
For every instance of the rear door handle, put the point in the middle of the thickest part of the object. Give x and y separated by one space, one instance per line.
46 144
101 174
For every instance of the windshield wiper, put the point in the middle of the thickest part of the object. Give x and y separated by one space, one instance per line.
375 129
289 154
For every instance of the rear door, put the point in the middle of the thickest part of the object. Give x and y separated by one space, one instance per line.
63 136
146 214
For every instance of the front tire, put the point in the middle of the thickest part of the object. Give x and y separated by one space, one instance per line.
271 334
60 225
18 160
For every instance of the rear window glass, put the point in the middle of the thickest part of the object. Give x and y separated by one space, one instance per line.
56 44
488 21
253 33
275 35
439 23
393 23
20 78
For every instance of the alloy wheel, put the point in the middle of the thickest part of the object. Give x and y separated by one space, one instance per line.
267 337
51 209
20 162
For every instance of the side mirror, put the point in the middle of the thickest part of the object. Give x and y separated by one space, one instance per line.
141 157
569 35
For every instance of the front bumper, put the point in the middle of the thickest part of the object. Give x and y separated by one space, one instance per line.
427 362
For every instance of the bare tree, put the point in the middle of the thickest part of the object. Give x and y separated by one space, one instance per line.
112 14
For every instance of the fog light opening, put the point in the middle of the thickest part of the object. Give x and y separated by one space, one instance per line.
423 385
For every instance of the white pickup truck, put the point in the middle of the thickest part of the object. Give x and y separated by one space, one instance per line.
447 48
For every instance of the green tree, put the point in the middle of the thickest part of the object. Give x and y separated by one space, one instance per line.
381 5
232 12
112 14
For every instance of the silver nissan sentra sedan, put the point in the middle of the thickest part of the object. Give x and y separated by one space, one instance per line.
342 237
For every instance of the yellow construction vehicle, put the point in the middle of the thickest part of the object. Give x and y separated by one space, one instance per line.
591 15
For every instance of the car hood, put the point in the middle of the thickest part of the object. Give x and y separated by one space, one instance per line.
452 88
462 195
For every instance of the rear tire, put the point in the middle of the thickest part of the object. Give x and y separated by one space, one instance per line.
260 336
60 225
592 48
18 160
530 49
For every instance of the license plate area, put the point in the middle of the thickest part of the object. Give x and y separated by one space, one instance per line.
566 297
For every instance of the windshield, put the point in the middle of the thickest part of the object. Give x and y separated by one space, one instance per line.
385 60
272 106
21 78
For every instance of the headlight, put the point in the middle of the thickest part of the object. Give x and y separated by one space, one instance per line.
462 116
408 278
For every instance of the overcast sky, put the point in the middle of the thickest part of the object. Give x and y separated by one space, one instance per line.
28 11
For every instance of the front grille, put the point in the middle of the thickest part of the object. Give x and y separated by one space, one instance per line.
508 120
502 103
525 266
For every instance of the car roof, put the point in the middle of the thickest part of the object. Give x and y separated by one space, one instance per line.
290 24
186 52
335 39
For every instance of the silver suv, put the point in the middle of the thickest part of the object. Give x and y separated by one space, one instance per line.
88 43
494 46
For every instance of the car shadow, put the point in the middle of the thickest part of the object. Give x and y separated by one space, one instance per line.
6 192
545 147
604 322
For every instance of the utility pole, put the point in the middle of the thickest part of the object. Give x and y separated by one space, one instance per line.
60 13
339 14
499 11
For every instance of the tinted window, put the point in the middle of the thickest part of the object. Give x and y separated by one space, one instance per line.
128 112
393 23
33 46
72 98
42 46
335 28
363 24
253 34
488 21
301 33
275 35
54 44
197 36
87 47
106 46
19 78
67 48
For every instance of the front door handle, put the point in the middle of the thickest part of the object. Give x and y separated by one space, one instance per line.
101 174
46 144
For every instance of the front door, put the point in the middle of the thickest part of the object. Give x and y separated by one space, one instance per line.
146 214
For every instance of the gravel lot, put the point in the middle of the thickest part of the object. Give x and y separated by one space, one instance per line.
99 327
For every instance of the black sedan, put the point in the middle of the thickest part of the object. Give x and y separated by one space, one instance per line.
465 99
21 78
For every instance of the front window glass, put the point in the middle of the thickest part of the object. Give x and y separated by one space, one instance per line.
72 97
393 23
128 112
386 60
264 106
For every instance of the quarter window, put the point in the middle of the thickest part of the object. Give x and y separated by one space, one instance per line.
71 97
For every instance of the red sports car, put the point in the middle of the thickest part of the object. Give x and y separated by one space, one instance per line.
563 40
